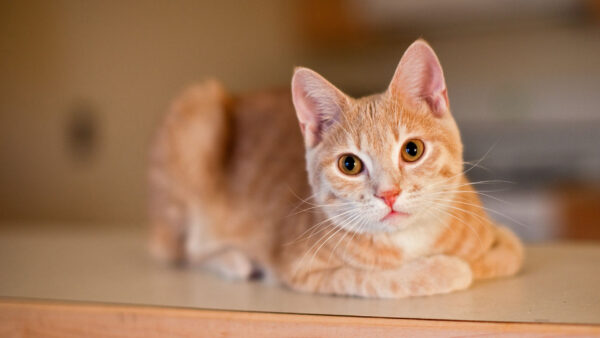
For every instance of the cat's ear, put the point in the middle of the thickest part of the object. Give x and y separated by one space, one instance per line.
419 79
318 104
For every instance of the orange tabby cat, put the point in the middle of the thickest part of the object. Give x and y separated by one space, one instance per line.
386 210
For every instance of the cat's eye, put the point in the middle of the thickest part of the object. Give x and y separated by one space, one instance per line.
350 164
412 150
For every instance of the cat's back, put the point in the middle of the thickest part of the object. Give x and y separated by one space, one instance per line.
225 164
241 145
264 173
265 162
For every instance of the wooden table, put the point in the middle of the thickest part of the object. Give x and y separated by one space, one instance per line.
68 282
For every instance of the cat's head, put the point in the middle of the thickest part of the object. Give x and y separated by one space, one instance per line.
396 151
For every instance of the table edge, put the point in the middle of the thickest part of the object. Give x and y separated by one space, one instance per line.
69 319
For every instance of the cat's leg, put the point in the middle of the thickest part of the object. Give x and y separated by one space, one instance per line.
180 232
166 242
186 161
231 264
204 248
173 241
419 277
167 224
504 258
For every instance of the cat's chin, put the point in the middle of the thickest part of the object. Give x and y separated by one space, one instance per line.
394 216
389 226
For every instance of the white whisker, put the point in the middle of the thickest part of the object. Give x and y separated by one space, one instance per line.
484 208
318 224
448 213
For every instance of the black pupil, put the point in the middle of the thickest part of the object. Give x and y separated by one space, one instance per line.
411 149
349 163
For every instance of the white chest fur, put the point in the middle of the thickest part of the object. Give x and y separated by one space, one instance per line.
417 240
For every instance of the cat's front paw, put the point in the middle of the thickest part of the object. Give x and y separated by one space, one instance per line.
231 264
435 275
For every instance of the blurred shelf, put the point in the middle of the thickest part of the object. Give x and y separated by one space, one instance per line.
71 280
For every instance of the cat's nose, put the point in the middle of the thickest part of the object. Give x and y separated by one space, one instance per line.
389 196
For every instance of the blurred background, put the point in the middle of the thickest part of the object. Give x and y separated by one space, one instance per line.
83 84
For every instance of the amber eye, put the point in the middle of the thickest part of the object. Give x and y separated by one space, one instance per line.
350 164
412 150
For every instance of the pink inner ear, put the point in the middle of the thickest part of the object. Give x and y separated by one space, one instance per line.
419 78
306 107
317 104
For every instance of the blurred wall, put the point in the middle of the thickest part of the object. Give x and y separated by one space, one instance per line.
125 60
120 62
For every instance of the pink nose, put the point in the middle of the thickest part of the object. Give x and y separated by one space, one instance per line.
389 197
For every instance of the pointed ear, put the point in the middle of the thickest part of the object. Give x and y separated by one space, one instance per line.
419 78
318 104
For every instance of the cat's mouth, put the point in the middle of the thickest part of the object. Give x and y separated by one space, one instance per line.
393 214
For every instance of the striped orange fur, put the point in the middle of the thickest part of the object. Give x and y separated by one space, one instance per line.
236 186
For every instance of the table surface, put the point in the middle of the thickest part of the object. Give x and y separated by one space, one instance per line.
559 284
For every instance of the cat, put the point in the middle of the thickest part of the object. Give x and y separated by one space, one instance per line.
367 198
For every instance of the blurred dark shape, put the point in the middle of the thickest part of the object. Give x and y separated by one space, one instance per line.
580 203
81 132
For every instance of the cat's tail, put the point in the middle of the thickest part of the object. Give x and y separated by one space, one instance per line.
187 161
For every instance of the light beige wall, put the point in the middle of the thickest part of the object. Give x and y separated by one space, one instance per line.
127 58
